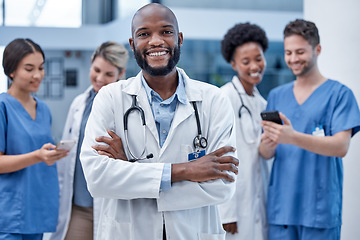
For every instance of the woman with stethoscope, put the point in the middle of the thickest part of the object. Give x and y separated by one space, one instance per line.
244 216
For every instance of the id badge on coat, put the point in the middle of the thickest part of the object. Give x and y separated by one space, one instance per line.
195 155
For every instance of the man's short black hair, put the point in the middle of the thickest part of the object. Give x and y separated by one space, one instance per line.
305 29
240 34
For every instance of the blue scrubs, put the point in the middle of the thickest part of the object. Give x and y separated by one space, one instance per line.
306 188
29 198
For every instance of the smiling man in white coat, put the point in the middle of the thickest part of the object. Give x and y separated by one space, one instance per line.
177 151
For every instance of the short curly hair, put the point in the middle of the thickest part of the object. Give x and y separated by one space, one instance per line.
240 34
305 29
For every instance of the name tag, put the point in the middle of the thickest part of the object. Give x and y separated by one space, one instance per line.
195 155
318 131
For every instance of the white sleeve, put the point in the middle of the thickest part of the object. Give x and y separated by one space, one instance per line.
220 132
111 178
228 210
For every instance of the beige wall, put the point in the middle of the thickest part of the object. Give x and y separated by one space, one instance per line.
339 26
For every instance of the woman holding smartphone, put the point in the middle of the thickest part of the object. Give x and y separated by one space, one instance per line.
29 189
78 210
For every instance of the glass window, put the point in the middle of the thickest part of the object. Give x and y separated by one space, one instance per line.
202 60
127 8
1 12
274 5
43 13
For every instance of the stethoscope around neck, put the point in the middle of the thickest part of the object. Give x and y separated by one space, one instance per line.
198 142
243 106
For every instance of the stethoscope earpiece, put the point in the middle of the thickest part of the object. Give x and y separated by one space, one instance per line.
150 155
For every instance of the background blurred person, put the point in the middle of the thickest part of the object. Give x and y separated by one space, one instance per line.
78 210
29 188
320 116
244 216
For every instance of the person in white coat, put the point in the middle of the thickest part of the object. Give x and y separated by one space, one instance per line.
78 210
244 216
177 143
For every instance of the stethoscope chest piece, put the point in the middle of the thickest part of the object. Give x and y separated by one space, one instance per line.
200 141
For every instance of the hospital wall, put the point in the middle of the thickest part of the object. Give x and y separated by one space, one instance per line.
337 60
339 24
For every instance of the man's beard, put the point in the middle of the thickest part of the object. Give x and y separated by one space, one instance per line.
160 71
308 66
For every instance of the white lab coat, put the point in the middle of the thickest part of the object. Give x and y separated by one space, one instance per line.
133 206
66 168
247 207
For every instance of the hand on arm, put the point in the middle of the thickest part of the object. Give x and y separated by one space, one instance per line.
230 227
47 154
113 148
336 145
209 167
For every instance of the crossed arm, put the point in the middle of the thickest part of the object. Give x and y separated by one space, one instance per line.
209 167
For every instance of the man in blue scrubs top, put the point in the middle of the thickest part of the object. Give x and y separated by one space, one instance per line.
320 116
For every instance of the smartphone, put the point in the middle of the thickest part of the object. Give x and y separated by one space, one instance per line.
66 144
272 116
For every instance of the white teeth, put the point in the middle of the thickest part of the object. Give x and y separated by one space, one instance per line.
255 74
157 54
